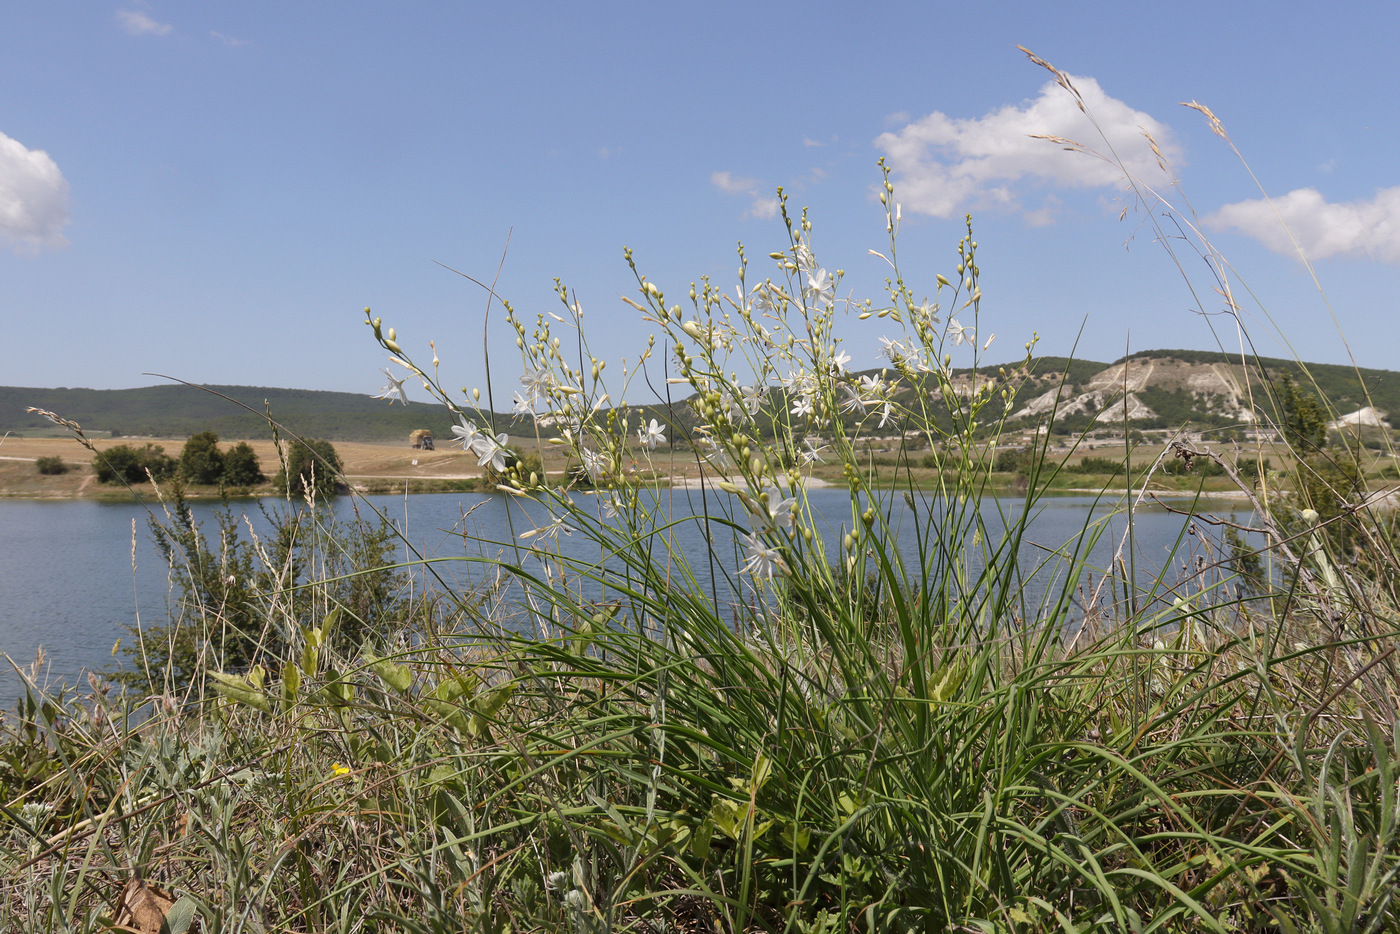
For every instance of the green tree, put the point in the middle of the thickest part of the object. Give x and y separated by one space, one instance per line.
50 466
201 461
128 464
241 467
312 465
1304 419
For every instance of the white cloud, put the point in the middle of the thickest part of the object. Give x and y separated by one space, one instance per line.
1368 228
229 41
33 199
764 208
137 23
944 165
730 184
760 206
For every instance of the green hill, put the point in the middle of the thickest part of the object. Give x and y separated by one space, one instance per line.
178 411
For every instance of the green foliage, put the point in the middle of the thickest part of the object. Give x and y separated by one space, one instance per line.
1096 466
239 605
905 726
51 466
1302 418
128 464
179 411
201 461
241 467
311 465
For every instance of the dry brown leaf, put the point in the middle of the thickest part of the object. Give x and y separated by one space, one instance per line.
142 907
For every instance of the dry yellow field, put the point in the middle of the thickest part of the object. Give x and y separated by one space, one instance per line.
365 464
19 476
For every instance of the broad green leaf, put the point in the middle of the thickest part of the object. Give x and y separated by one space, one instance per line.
181 915
392 673
240 690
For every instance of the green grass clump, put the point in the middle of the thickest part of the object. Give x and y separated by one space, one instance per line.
791 731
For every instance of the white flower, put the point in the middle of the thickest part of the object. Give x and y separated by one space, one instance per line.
853 400
892 350
777 513
839 361
871 388
609 507
960 334
394 390
820 290
595 465
715 454
752 398
886 413
651 435
802 405
928 311
466 434
762 299
805 260
489 450
523 405
763 562
551 530
812 452
537 382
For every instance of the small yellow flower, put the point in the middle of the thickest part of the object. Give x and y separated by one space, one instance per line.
338 770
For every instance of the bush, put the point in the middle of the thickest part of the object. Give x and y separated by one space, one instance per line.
128 464
201 461
312 466
241 467
1096 465
51 466
232 591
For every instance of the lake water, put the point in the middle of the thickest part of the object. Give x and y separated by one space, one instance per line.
75 575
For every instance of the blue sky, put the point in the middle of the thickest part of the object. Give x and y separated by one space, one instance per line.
215 191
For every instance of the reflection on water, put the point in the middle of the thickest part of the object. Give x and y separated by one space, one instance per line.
77 574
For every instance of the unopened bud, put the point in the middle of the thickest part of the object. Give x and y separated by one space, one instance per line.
476 395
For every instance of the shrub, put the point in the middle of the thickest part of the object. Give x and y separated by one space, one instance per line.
238 603
51 466
201 461
241 467
126 463
312 466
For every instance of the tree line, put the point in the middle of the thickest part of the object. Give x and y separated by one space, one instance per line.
311 466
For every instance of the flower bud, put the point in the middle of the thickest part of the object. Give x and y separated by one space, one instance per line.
476 395
392 346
